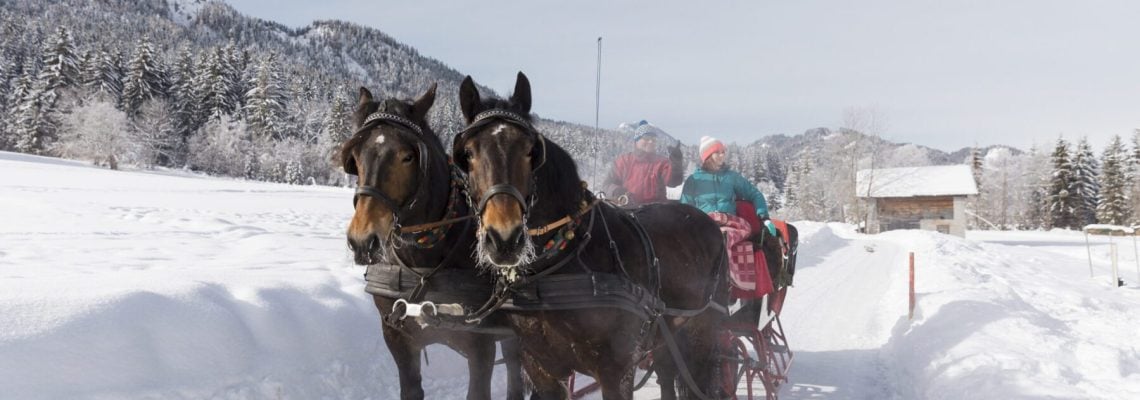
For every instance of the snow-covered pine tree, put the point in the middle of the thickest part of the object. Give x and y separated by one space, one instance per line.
775 170
145 78
27 122
1114 207
234 65
58 79
976 164
183 104
335 128
61 64
800 198
972 203
1061 199
1132 177
88 60
264 102
1086 183
214 86
103 77
9 71
1035 178
792 187
293 173
306 110
10 100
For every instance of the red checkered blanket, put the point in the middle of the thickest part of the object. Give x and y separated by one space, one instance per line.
741 257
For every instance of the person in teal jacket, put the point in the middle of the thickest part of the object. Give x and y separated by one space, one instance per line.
713 188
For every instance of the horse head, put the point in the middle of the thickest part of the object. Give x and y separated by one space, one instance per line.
394 154
510 166
499 150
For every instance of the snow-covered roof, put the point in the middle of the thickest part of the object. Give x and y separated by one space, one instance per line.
1105 229
946 180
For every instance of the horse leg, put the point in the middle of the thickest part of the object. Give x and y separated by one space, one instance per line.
548 385
666 370
701 351
617 384
516 389
480 352
406 354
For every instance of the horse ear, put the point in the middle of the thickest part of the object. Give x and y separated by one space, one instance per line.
521 96
423 104
469 99
365 96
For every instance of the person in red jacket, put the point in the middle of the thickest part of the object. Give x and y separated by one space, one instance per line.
640 176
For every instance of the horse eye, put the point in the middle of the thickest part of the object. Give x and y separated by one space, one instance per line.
408 158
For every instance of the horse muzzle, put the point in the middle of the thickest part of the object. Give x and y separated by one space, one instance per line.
366 250
505 249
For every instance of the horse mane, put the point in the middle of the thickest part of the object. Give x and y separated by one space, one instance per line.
559 182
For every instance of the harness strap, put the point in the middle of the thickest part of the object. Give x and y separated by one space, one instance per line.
654 278
378 195
542 230
682 367
459 286
506 189
398 120
432 225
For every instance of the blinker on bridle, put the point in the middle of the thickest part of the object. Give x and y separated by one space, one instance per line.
486 118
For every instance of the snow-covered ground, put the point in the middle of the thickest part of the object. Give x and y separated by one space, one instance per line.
164 285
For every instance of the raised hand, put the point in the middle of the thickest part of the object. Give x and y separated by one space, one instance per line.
675 150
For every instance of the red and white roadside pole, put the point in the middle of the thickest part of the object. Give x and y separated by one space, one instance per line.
910 314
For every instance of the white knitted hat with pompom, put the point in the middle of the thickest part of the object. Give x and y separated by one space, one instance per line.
710 145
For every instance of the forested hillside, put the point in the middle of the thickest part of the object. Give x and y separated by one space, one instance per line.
193 84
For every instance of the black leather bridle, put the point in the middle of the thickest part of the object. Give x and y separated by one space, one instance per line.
480 121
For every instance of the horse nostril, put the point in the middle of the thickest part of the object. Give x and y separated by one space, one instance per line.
517 236
495 239
373 243
513 240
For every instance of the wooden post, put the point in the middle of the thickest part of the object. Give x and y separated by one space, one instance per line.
1088 248
1136 254
1115 257
910 314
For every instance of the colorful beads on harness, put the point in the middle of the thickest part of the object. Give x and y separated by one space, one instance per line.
430 238
563 237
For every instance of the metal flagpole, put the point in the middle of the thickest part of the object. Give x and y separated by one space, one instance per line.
597 109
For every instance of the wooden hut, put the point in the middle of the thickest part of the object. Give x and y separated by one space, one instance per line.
928 198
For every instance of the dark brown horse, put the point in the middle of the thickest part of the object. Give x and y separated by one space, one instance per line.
404 179
540 230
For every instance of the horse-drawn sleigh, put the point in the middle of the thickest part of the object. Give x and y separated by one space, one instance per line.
504 240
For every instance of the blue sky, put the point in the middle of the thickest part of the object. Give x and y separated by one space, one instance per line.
947 74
